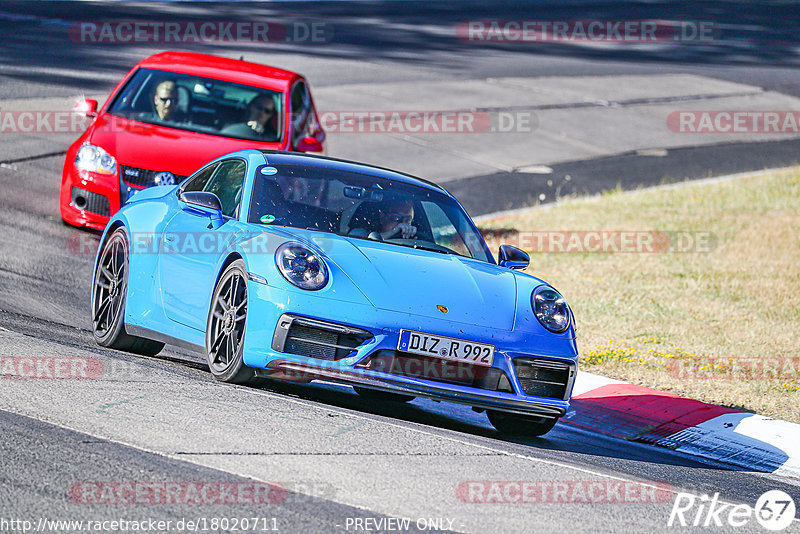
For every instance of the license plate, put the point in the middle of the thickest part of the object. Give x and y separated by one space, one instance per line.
445 348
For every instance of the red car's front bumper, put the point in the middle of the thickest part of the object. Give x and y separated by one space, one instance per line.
88 198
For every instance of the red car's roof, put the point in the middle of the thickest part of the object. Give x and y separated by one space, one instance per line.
220 68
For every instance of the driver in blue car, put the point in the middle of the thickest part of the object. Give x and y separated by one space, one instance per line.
393 221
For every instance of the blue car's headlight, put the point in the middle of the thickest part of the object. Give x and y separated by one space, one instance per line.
301 266
551 309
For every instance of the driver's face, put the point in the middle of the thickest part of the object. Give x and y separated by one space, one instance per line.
165 99
397 213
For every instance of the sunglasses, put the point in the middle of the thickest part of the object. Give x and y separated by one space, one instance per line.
167 99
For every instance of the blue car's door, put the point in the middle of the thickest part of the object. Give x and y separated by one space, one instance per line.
193 243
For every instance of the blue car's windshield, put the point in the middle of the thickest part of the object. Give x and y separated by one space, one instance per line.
202 105
365 207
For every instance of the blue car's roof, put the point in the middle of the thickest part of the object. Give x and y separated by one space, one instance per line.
297 158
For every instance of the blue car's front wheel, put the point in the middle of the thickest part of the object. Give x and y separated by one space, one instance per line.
109 294
225 329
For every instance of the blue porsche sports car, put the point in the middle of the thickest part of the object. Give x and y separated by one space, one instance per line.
297 267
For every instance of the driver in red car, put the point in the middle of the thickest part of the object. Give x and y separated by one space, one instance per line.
165 104
165 99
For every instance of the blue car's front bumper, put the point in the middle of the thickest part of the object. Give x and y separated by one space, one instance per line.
266 306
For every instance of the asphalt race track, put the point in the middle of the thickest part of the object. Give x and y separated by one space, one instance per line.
329 460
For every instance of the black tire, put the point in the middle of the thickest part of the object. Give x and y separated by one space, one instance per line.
225 328
520 425
108 299
378 395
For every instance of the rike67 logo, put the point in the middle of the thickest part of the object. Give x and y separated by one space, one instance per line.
774 510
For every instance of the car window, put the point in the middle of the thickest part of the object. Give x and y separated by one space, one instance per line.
362 206
201 104
443 231
198 181
301 112
226 183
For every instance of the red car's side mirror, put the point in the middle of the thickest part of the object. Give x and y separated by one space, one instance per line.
86 106
309 144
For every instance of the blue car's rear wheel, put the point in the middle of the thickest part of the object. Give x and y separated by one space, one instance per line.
520 425
108 299
225 329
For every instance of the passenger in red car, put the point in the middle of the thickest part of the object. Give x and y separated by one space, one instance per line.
259 121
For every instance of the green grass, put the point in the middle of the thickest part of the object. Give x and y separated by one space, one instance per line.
713 325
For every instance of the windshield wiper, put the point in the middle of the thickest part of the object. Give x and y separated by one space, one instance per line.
439 250
415 246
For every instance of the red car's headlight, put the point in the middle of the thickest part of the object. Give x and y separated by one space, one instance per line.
94 159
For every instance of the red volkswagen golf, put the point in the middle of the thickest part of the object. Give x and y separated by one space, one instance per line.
173 112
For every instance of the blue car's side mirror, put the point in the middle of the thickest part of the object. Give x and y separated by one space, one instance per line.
513 258
206 200
202 198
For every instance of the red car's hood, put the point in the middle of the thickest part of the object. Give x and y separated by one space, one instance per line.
158 148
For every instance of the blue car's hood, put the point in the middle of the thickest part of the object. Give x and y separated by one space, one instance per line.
414 281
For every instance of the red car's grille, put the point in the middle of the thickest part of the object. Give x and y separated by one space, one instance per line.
91 201
146 178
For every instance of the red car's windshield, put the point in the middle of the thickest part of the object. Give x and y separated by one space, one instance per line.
202 105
